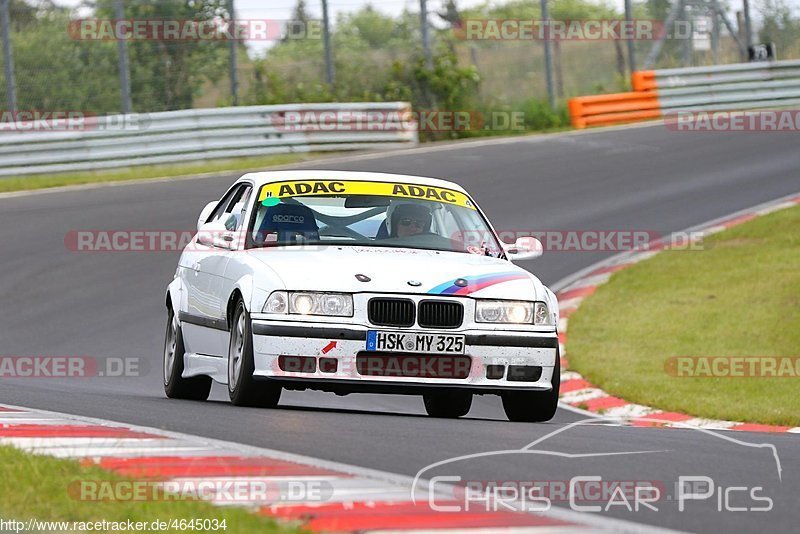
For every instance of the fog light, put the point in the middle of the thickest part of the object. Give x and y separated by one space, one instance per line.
328 365
297 364
495 372
524 373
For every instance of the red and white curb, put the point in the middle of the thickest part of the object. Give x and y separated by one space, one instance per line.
581 395
347 498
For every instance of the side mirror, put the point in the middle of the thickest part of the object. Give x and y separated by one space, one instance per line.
525 248
201 220
214 234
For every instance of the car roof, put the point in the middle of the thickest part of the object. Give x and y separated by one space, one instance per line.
266 177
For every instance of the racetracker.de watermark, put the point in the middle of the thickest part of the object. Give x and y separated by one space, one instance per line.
472 241
571 30
135 240
412 364
576 490
70 121
784 120
733 366
590 240
219 489
399 120
193 30
54 366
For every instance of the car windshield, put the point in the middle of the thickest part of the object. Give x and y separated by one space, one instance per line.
376 214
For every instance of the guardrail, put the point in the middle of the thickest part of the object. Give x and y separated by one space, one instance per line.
600 110
199 134
737 86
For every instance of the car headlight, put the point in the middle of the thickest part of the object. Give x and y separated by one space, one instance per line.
277 302
511 312
309 303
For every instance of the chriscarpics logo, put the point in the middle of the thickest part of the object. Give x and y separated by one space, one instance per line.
297 219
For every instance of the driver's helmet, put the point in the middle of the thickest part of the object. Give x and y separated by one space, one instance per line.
408 213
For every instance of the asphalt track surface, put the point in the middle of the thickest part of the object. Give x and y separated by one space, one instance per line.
57 302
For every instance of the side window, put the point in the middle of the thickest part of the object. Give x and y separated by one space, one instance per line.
216 215
240 207
230 210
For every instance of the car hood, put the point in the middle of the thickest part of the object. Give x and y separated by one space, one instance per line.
399 270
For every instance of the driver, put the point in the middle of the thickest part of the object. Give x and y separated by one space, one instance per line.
409 219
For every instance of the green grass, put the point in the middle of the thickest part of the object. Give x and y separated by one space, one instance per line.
41 181
740 296
38 487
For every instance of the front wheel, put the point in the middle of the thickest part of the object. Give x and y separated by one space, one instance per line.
447 404
242 388
533 406
175 386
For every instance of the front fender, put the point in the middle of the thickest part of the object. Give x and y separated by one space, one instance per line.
253 280
244 286
172 297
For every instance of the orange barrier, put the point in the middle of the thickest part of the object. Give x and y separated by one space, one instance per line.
643 80
618 108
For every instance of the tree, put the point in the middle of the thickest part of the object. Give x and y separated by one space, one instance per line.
778 25
300 17
300 13
167 75
451 15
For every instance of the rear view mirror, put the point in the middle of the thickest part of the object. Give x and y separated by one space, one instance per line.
201 220
214 234
525 248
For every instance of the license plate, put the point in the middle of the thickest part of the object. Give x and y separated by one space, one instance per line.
392 341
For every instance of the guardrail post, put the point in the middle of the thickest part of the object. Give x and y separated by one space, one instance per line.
548 60
715 38
124 68
426 38
686 46
233 68
631 43
748 27
330 71
8 56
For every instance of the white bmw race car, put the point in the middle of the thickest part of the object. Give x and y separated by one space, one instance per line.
354 282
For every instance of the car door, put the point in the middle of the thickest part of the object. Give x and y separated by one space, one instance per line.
205 326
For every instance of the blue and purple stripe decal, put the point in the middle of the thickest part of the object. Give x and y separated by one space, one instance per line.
476 283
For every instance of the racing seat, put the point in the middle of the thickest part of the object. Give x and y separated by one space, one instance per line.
236 222
290 223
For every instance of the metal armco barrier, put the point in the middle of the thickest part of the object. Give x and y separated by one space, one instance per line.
601 110
737 86
200 134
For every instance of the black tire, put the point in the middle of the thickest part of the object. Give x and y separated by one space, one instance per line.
242 388
447 404
533 406
175 386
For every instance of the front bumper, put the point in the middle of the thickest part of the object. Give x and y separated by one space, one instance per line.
344 342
